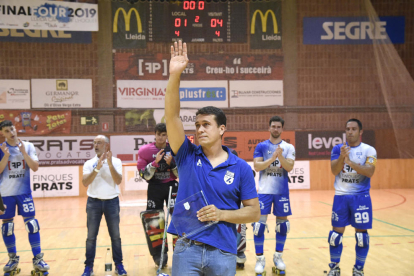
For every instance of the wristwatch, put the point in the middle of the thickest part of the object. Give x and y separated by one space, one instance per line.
96 170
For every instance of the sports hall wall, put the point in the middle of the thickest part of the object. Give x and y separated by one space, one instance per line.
323 85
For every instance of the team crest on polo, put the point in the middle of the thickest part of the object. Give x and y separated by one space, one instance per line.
229 177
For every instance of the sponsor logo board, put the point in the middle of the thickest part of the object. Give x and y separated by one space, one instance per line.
63 150
125 147
14 94
245 142
61 93
130 66
353 30
55 182
38 122
319 144
256 93
47 15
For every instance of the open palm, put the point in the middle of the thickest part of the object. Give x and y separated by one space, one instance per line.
179 59
4 148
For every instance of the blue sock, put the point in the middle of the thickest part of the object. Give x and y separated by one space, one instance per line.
280 241
34 239
258 243
8 236
361 248
335 250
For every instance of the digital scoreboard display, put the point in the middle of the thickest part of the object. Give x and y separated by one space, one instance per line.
198 21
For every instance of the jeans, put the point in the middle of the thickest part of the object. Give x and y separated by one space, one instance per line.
94 209
191 259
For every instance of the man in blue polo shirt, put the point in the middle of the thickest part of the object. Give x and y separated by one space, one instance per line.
225 180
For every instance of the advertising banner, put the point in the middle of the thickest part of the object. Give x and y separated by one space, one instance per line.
130 66
129 25
197 94
44 36
134 182
353 30
63 150
151 93
39 122
244 142
265 25
14 94
319 144
137 120
55 182
299 177
256 93
125 147
47 15
61 93
140 94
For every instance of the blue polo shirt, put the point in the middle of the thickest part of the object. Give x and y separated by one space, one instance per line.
226 193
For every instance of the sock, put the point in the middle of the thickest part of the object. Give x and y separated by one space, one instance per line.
258 244
280 241
9 241
34 239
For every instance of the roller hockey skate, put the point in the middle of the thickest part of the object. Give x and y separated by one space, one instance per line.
357 272
40 267
11 268
260 266
241 259
335 270
280 267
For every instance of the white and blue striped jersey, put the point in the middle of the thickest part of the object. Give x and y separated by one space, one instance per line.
348 181
274 179
15 178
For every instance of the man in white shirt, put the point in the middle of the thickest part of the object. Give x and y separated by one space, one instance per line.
102 175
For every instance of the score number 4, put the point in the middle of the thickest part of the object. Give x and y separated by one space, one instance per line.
216 23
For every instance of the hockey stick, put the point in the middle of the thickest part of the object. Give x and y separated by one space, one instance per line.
165 231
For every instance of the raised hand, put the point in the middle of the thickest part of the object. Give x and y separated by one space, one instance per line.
279 150
100 161
5 149
168 158
159 156
344 150
179 59
21 147
109 158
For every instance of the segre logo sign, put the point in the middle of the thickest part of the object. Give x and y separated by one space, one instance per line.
352 30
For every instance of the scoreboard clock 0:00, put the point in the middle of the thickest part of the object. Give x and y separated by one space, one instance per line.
198 21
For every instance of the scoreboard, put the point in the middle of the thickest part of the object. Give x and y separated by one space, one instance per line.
197 21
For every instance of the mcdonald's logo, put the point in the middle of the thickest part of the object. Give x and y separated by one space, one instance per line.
264 21
127 17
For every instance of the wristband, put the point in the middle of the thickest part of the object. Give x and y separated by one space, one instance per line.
96 170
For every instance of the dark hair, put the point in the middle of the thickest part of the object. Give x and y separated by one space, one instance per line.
161 127
219 115
277 119
5 123
356 121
